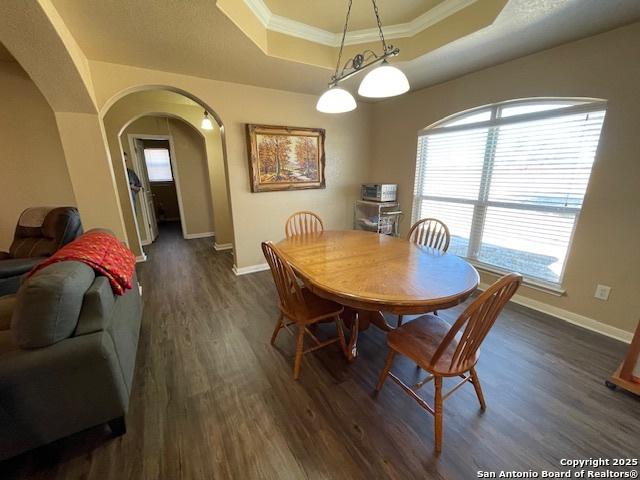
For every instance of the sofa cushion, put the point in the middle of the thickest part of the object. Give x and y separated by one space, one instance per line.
48 304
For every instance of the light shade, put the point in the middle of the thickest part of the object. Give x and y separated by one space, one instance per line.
206 122
336 100
384 81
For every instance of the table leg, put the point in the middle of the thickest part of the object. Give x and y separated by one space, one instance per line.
358 320
350 320
378 320
352 349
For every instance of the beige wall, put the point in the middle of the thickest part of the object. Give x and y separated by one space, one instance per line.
193 177
91 171
261 216
40 41
32 165
605 248
190 161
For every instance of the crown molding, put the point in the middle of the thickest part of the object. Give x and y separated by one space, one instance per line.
301 30
260 10
287 26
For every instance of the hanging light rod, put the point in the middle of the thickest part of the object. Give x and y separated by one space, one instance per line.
357 64
381 82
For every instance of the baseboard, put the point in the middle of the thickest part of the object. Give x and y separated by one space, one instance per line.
222 246
571 317
191 236
250 269
141 258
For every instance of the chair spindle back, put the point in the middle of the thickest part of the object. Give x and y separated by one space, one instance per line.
304 222
478 317
291 299
430 232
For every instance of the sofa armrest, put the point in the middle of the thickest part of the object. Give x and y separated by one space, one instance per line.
97 306
52 392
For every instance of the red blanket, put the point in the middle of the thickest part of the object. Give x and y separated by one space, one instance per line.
104 253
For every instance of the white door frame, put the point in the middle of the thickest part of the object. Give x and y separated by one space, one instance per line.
145 194
131 197
174 168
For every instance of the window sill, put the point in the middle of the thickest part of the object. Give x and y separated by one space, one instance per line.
549 288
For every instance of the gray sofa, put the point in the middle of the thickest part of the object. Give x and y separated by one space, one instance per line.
67 355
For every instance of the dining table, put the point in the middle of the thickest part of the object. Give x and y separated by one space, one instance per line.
370 273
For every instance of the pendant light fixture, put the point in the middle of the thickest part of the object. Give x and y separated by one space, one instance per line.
206 122
336 100
383 81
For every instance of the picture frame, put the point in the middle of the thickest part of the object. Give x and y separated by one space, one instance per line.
285 158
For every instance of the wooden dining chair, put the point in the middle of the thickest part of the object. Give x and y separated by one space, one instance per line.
304 222
299 306
432 233
445 350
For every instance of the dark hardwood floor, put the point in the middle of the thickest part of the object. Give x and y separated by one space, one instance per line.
212 399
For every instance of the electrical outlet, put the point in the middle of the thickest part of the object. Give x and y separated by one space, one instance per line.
602 292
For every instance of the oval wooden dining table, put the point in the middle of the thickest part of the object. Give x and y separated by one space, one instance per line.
370 273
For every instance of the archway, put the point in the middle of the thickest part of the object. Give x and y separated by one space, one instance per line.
135 103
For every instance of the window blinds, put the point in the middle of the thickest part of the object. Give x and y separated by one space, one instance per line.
158 164
510 187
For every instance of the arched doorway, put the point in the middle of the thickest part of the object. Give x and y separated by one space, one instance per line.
176 106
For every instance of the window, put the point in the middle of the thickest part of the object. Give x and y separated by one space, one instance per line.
158 164
509 180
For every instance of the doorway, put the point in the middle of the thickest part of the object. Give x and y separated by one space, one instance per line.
159 201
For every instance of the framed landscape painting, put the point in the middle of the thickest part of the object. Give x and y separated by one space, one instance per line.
285 158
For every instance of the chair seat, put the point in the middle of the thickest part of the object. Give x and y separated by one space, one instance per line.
318 308
419 340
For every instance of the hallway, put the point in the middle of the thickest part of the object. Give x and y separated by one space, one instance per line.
212 398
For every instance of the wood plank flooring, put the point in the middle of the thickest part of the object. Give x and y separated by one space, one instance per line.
213 400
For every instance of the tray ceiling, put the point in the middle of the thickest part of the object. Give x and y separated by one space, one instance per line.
427 25
331 15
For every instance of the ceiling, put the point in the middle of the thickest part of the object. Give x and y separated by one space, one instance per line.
522 28
332 14
196 38
199 40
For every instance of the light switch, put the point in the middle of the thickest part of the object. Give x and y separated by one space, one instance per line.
602 292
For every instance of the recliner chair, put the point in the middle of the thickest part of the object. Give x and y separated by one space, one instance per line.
41 231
